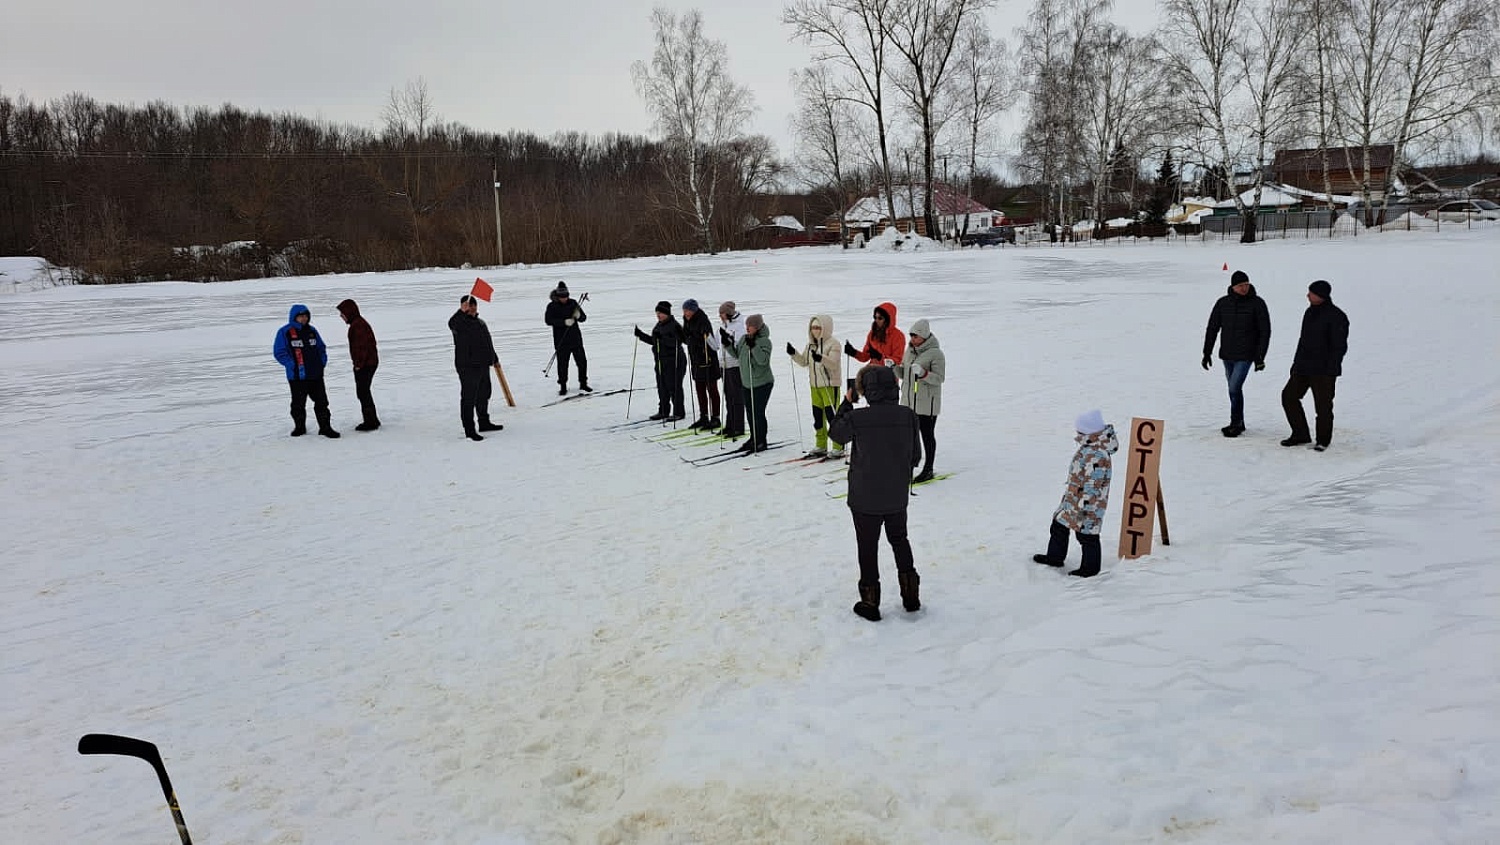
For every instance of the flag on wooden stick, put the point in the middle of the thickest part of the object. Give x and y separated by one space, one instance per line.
482 290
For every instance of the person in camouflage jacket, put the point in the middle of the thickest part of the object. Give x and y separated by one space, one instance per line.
1086 498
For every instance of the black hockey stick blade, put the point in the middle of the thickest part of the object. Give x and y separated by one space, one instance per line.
130 747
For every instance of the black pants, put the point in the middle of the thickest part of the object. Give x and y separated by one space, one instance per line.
1057 546
756 399
314 389
1291 402
362 379
708 396
669 376
576 353
867 538
734 402
474 396
929 439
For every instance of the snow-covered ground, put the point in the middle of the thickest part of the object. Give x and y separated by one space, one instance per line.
568 635
27 273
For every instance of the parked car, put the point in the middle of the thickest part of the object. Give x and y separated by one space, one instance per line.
993 236
1460 211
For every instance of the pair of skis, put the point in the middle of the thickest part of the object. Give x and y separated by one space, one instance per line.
936 478
734 455
588 394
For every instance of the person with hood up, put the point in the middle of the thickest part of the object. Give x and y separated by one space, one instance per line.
885 344
922 373
754 352
1317 364
564 315
703 360
1086 498
824 377
665 341
1242 324
301 350
366 358
731 329
473 356
886 437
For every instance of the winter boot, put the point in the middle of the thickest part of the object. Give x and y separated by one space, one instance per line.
924 475
1085 573
562 388
328 432
491 426
910 581
659 415
713 424
1233 429
299 430
700 423
584 386
868 606
472 435
1296 440
816 453
1047 561
365 426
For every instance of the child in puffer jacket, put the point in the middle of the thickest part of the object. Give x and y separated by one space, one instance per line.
824 374
1087 495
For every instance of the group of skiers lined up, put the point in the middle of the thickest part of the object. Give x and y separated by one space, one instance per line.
1242 323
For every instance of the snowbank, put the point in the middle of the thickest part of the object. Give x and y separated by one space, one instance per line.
892 239
28 273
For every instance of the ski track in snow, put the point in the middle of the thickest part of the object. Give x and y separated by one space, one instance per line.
567 635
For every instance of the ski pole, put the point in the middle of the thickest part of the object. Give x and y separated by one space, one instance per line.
547 370
793 364
129 747
635 347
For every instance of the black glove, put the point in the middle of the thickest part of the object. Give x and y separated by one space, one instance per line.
1260 365
749 340
817 358
1207 361
642 335
849 349
790 349
726 337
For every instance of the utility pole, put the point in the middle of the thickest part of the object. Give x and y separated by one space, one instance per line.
499 242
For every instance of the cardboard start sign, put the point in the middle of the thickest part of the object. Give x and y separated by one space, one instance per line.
1142 488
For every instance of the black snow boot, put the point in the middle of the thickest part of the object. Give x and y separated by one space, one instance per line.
1296 440
299 430
924 475
910 582
562 390
327 431
1233 430
472 435
659 415
584 386
491 426
1043 559
868 606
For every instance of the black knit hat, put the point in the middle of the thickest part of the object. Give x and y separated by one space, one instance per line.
1321 288
664 307
561 291
1239 278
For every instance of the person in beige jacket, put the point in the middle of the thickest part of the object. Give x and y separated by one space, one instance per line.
922 372
824 374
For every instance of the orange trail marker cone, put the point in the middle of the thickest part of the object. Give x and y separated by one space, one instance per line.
1226 266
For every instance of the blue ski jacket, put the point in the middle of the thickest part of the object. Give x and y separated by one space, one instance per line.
300 348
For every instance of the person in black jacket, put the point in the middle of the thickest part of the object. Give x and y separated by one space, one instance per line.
665 341
1317 365
564 315
703 358
473 356
888 448
1242 323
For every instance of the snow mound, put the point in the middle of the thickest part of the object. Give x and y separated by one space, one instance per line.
892 239
24 273
1410 220
1347 224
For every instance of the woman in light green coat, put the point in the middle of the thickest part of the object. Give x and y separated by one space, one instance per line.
922 372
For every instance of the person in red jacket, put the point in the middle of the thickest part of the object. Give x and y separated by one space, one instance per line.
366 359
885 344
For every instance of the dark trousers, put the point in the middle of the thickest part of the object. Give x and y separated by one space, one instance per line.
756 399
929 439
362 379
1057 547
1291 402
734 402
708 397
867 538
576 353
474 396
314 389
669 388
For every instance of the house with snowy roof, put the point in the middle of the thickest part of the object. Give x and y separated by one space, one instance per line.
955 211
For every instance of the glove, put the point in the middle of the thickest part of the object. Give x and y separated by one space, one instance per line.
749 340
1260 365
577 313
1207 361
568 322
917 371
889 362
642 335
790 349
817 359
849 349
726 337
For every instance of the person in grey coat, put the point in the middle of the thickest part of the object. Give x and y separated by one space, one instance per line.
922 371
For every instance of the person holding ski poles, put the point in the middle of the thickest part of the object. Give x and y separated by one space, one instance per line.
665 341
885 344
754 352
564 315
703 360
821 358
922 372
731 329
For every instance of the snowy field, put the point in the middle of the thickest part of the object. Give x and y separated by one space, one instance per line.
568 635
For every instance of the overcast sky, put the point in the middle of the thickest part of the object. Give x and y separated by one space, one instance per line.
493 65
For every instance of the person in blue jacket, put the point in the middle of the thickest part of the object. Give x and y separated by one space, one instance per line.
301 351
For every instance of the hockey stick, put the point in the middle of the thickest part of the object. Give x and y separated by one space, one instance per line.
128 747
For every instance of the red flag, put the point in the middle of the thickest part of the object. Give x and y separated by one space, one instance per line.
482 290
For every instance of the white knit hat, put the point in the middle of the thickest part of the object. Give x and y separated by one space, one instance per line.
1089 422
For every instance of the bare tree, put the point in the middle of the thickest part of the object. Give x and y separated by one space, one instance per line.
1268 60
409 116
852 35
1366 66
824 130
1121 114
696 107
983 89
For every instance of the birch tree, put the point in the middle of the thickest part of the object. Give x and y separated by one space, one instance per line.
1268 61
983 88
825 132
1125 101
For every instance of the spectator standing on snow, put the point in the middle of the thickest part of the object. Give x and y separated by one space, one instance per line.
885 344
665 341
824 376
301 350
703 363
1318 363
473 356
922 373
1242 324
731 329
885 435
564 316
754 352
366 358
1086 497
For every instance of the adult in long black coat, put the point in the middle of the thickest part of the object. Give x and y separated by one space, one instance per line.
888 446
703 363
666 341
473 356
564 316
1316 366
1242 324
